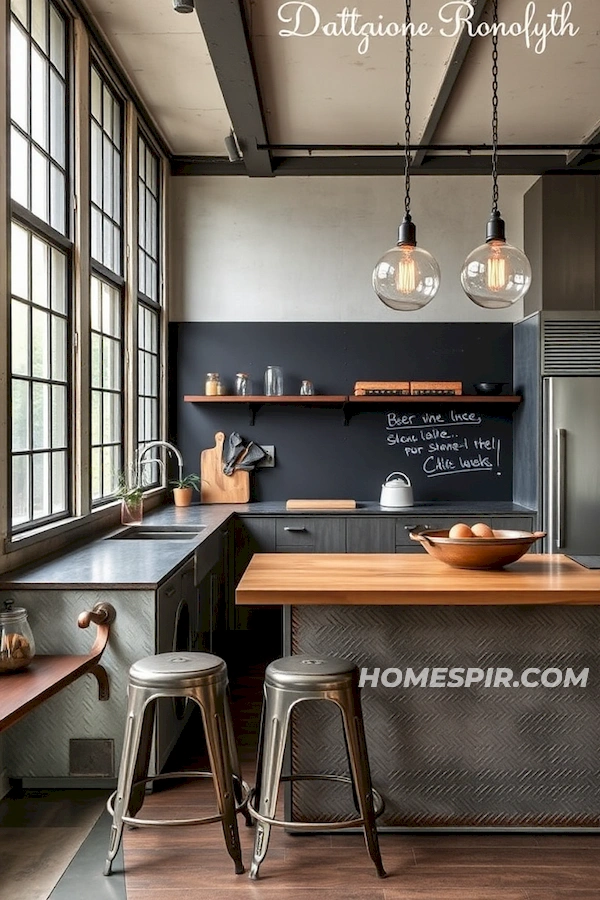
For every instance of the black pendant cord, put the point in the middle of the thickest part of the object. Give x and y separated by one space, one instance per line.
495 110
407 235
407 112
495 227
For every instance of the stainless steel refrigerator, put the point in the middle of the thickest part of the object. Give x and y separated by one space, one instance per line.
571 464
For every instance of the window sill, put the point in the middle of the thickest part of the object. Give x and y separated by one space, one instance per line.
59 534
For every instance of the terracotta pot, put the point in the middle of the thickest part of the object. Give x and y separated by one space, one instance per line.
182 496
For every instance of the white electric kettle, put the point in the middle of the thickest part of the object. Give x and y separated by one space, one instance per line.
396 492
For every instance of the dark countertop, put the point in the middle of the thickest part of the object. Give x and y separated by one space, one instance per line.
102 564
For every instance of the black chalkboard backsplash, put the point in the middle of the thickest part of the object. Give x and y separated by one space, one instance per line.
450 452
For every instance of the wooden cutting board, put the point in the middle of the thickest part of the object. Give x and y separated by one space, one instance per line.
320 504
216 487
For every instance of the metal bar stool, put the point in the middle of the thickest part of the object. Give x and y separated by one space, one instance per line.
203 678
289 681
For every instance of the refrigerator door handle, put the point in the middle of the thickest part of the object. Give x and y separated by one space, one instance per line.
561 445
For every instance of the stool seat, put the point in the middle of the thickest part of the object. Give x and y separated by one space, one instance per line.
202 678
288 682
306 672
177 669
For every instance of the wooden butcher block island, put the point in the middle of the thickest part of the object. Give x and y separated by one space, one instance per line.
481 689
399 579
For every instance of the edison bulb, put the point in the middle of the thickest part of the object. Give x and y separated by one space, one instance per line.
496 275
406 278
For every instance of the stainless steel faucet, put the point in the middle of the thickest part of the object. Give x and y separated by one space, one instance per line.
170 447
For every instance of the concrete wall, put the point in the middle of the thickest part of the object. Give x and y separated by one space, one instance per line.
303 249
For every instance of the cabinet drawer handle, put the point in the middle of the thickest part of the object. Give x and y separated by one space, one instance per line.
412 527
294 528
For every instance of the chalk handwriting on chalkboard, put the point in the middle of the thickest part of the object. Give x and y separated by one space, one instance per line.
431 438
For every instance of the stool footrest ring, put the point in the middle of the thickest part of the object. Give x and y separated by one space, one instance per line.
207 820
378 800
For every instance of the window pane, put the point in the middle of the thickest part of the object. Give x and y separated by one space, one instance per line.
19 327
39 98
57 119
19 262
59 284
96 235
107 176
111 312
21 433
96 473
39 272
96 164
96 417
19 167
57 199
21 490
41 485
59 416
40 351
59 349
57 40
112 466
111 418
59 482
20 9
96 362
95 304
39 24
19 79
41 415
39 184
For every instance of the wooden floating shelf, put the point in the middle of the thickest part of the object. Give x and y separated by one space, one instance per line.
254 402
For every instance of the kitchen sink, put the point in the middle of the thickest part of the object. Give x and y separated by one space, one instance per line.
157 533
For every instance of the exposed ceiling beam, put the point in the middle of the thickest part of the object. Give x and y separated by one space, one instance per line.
576 157
226 34
523 164
452 72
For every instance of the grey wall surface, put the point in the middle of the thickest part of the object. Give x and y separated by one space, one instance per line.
303 249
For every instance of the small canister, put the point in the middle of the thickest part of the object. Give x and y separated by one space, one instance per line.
17 647
211 385
242 384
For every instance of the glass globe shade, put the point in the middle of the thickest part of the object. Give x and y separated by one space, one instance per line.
406 277
496 275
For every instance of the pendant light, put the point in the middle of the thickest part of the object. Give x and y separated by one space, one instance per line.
406 277
496 274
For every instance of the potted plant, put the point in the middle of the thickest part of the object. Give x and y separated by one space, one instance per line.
183 487
132 500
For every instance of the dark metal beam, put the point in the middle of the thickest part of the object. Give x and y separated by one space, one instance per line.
576 157
524 164
449 80
228 41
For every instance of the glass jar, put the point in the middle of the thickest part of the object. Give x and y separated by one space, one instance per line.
211 385
273 381
17 647
242 384
307 389
221 389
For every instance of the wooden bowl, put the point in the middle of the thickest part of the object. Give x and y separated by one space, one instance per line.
477 553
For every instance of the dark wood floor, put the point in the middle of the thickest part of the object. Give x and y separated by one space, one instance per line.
192 864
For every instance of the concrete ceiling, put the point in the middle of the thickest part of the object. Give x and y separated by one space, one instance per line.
322 90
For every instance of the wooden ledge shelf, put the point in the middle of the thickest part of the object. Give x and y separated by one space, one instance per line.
351 404
47 675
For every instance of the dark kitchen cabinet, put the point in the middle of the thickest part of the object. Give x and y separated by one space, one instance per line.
371 535
562 240
310 534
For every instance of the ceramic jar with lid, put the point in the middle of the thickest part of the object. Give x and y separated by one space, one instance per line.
17 647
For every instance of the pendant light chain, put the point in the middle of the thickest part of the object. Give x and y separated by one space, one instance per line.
495 110
407 111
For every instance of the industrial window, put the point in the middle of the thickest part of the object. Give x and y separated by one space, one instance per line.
106 300
81 402
149 309
40 255
107 388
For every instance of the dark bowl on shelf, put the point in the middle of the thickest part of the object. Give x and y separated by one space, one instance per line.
490 388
